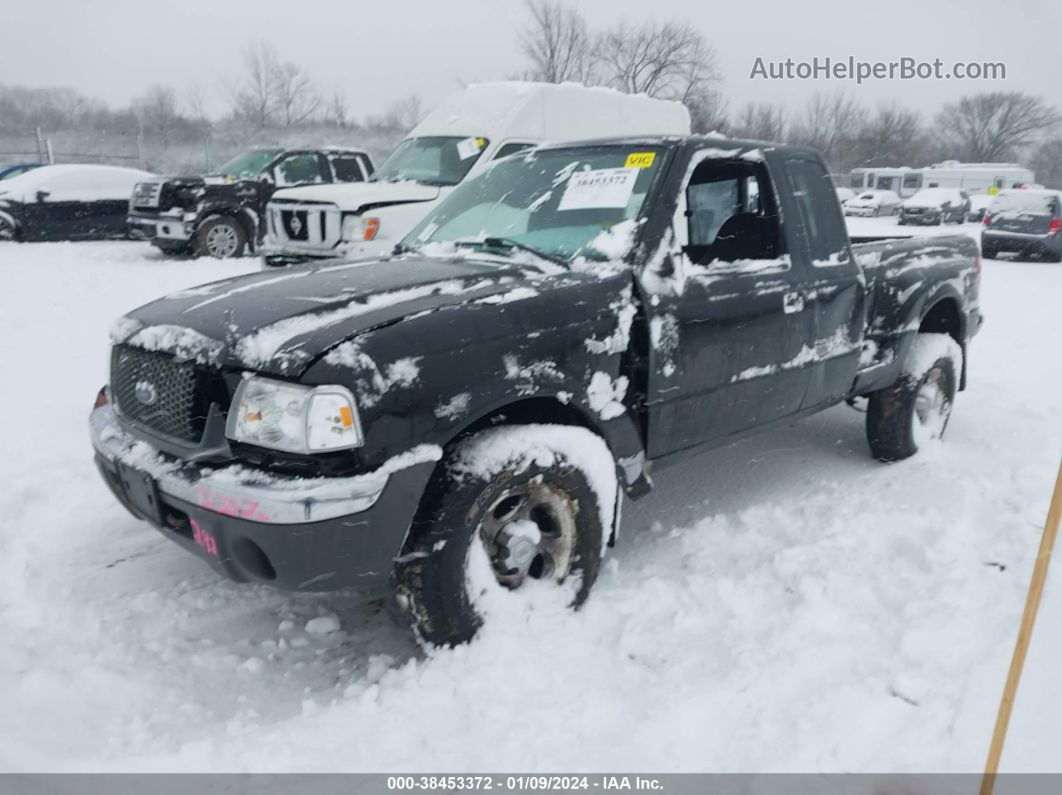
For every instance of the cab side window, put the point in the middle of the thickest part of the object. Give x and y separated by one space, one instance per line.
815 196
727 215
347 168
511 149
299 168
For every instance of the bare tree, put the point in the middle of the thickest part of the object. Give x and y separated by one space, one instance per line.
991 126
294 96
406 113
157 112
670 60
338 110
891 136
1046 162
557 41
761 122
251 97
830 123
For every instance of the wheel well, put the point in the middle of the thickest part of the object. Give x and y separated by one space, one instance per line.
943 318
523 412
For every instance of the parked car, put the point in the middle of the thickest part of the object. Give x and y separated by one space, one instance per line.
7 172
978 204
844 194
218 215
67 202
461 138
1024 222
872 203
935 206
467 410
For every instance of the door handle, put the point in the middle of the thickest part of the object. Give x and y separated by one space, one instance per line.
793 303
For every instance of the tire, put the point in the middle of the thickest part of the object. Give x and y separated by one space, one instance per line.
7 230
220 237
915 409
988 253
877 210
505 505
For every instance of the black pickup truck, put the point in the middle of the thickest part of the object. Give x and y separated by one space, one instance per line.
468 413
218 215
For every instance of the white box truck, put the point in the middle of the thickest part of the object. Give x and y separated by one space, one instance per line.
468 131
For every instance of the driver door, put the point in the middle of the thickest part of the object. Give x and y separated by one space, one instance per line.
730 326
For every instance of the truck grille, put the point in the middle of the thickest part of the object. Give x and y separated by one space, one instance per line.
157 392
146 194
305 224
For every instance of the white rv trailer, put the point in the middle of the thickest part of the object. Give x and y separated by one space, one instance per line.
903 180
977 177
973 178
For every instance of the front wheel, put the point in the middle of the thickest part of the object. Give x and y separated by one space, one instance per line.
506 506
221 238
904 417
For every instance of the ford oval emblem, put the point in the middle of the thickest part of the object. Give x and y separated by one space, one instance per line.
145 392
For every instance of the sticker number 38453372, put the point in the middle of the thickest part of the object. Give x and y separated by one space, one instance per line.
598 189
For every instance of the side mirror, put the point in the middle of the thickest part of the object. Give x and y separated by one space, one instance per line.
42 195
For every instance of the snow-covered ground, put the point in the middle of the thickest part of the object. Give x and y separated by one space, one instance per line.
785 603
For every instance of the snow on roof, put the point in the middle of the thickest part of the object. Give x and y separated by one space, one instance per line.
550 112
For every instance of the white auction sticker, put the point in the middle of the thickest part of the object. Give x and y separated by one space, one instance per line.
469 147
600 188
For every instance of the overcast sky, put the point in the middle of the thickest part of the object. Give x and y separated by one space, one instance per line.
378 52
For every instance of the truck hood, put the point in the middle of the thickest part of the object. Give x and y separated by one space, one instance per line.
356 196
279 324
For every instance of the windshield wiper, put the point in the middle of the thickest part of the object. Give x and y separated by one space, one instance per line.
508 242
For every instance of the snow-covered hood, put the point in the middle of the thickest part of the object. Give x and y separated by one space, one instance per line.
354 196
279 323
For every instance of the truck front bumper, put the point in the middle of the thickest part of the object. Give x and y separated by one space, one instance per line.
307 534
160 227
280 253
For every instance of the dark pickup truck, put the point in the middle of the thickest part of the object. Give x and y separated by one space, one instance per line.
467 413
218 215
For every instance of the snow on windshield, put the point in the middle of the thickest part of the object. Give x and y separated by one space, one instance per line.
432 160
560 204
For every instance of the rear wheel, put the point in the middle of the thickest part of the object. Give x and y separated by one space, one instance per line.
220 237
506 506
7 230
913 411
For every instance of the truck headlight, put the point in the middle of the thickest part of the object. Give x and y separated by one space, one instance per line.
292 417
360 227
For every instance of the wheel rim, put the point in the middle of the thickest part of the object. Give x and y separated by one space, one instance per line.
222 241
529 532
932 405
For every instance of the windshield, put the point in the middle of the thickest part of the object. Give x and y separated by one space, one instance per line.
249 164
558 202
1040 203
434 160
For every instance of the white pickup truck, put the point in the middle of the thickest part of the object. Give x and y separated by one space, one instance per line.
460 138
